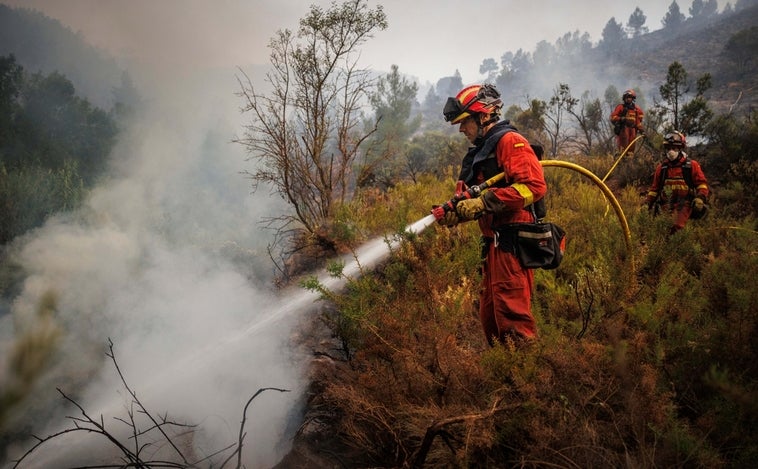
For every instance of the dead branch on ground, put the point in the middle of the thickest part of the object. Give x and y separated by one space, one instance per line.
438 428
133 456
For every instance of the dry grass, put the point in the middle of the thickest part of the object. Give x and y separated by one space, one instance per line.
419 386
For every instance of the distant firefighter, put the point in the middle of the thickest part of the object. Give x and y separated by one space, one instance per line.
679 184
627 121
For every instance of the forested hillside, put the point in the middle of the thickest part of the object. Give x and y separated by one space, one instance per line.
61 105
53 147
723 47
44 45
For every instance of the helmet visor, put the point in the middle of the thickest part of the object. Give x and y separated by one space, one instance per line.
673 140
452 109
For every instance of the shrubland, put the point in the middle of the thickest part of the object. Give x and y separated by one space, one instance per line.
645 358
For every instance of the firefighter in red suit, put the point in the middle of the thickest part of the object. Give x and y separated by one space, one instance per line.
679 184
627 119
505 297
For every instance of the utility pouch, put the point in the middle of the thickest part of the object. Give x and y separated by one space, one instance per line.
617 127
537 245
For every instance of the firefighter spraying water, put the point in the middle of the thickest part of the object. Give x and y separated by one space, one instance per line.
500 184
461 193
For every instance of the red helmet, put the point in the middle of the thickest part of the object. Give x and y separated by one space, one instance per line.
629 93
675 139
473 99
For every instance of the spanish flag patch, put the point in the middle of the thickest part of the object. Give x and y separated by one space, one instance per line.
518 145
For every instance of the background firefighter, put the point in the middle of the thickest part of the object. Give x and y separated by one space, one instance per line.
627 121
505 296
679 184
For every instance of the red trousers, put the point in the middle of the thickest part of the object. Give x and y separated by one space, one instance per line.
680 214
627 135
505 298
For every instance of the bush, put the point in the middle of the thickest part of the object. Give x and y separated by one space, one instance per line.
645 355
30 195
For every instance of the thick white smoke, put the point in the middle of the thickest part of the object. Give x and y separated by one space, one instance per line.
165 259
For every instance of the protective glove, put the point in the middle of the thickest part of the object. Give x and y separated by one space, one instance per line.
445 218
698 204
470 209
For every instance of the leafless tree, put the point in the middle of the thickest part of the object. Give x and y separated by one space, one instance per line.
588 114
305 133
554 116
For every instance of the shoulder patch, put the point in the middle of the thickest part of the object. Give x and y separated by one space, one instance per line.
518 145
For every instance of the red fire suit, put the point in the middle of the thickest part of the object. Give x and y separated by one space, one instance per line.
672 191
505 296
631 124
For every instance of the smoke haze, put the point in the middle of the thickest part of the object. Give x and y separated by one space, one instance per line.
167 261
434 38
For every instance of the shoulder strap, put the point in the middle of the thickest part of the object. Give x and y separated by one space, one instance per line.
687 173
491 143
662 180
486 151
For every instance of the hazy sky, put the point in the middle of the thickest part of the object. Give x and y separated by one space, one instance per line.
426 38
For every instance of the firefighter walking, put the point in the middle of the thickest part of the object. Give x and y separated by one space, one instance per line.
679 185
627 121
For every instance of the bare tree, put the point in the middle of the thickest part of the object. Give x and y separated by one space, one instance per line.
560 103
589 115
305 134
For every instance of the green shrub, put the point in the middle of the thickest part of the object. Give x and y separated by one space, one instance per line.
30 195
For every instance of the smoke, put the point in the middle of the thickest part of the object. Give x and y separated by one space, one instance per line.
166 260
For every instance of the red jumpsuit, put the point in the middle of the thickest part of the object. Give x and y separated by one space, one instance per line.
674 194
505 297
632 123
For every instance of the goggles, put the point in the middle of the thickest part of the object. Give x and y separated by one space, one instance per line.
454 109
673 140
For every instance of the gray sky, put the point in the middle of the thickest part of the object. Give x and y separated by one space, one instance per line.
428 39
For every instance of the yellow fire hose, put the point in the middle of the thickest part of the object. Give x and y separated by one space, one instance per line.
623 153
440 210
608 194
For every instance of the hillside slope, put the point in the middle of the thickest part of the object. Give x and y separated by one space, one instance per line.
42 44
700 49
